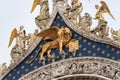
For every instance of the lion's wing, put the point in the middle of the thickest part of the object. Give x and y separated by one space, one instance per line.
50 33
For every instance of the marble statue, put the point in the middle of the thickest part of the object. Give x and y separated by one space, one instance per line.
86 22
102 29
20 36
41 19
74 12
101 10
44 10
20 46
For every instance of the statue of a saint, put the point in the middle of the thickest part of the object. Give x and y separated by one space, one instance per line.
20 36
101 10
43 16
75 11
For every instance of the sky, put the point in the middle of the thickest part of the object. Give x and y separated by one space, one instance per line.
15 13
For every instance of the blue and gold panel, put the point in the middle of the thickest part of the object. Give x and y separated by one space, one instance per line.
87 48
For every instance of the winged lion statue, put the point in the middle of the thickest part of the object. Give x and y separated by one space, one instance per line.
61 37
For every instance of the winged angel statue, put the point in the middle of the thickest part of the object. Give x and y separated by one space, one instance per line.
61 37
44 11
102 9
20 38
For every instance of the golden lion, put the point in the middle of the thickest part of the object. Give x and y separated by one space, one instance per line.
61 37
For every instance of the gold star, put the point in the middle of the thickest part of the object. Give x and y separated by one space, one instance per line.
93 46
98 49
26 70
84 40
113 49
108 55
89 43
14 77
103 52
89 52
84 49
18 72
22 67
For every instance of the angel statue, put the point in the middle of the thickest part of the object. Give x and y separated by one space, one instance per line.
101 10
44 11
75 10
20 36
61 37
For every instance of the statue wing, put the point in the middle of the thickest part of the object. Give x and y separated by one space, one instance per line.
105 9
35 3
51 33
13 35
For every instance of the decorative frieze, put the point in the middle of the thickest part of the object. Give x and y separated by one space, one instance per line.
83 65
